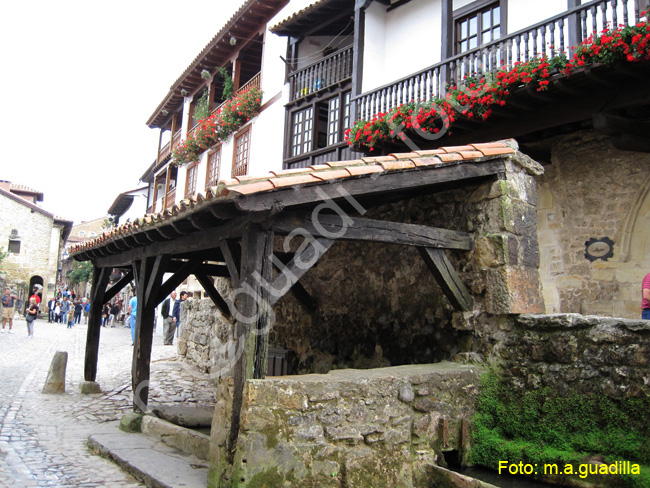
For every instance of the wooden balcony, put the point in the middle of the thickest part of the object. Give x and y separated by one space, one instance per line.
254 81
169 147
329 71
561 33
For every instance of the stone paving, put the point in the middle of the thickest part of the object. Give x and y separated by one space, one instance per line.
43 437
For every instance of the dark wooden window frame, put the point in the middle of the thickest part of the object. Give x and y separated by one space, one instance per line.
314 104
191 177
217 168
243 132
475 8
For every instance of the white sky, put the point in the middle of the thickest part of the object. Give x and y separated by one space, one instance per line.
78 81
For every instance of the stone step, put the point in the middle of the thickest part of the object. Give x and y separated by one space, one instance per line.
182 438
152 462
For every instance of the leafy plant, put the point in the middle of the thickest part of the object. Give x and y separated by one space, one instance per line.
202 108
81 272
219 126
3 254
228 83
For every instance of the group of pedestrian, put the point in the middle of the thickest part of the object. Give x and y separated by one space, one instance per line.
65 311
111 313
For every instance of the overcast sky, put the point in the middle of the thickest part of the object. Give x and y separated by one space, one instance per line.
78 81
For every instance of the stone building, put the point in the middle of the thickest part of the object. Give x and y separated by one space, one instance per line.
34 239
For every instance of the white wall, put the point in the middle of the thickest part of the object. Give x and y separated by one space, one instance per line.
521 15
400 42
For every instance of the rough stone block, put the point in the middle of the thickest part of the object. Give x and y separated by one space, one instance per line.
89 387
513 290
55 382
131 422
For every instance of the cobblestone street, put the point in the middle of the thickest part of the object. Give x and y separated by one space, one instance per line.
43 437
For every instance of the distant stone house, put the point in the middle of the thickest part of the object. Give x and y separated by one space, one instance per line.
34 239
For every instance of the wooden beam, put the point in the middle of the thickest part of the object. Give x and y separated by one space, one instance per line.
360 229
153 285
198 241
99 282
299 265
401 181
178 277
208 269
231 263
297 290
447 278
214 295
117 287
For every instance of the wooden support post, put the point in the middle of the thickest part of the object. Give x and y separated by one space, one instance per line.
265 320
100 280
246 304
447 278
149 277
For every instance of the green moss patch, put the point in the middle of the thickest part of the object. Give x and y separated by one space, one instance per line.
541 427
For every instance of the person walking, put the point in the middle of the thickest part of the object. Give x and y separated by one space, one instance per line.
57 312
133 311
86 310
115 311
168 324
50 310
30 317
176 314
65 308
78 308
8 302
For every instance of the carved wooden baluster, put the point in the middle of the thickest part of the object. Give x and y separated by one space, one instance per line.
614 5
625 16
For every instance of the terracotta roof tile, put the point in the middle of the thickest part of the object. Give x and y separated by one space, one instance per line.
253 187
471 154
338 164
365 169
450 157
495 151
429 152
289 172
377 159
407 155
331 174
319 167
401 164
450 149
293 180
427 161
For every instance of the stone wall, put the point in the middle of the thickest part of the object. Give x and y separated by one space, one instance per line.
353 427
592 190
38 251
574 353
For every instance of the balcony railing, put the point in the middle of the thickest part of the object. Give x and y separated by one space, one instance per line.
167 148
330 70
254 81
561 33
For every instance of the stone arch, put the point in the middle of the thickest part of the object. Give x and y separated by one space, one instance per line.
36 284
634 254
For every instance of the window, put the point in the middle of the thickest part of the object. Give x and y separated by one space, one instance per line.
214 164
242 150
190 183
82 233
302 124
477 24
320 125
14 247
92 234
